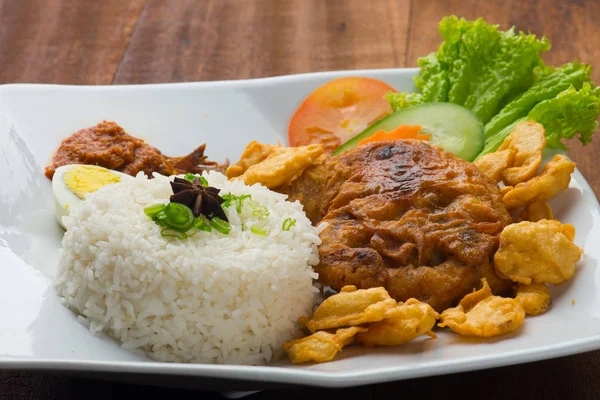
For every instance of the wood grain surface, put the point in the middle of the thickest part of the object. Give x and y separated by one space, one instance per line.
151 41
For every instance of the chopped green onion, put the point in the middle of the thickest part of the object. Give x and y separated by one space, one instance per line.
230 198
227 199
179 216
154 209
191 232
167 232
260 212
288 223
238 202
161 215
190 177
203 226
258 230
222 226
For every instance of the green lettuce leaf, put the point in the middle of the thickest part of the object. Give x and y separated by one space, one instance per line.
476 66
398 101
572 112
548 83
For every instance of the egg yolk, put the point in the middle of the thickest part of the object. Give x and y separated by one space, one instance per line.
88 178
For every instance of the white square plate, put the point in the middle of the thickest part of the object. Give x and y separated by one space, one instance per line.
37 332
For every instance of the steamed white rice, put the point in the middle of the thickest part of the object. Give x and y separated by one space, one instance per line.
211 298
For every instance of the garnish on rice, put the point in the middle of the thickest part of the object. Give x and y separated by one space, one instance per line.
201 198
194 206
197 206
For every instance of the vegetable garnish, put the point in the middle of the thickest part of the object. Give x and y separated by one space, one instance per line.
258 230
201 199
288 223
570 113
260 211
192 178
220 225
202 224
401 132
454 128
501 77
151 211
193 206
477 66
339 110
229 198
167 232
176 219
179 217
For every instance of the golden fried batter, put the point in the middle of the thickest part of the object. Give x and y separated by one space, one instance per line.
482 314
534 298
536 210
494 164
539 252
403 323
273 166
321 346
254 153
555 178
528 139
406 216
350 307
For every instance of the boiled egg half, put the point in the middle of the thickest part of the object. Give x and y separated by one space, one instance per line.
71 183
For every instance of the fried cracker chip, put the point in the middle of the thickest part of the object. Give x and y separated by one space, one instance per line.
537 210
350 307
494 164
527 140
555 178
482 314
505 189
254 153
403 323
538 252
321 346
534 298
281 165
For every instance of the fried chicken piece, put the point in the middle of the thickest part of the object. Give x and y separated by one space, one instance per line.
527 140
406 216
109 146
350 307
320 346
482 314
534 298
554 178
403 323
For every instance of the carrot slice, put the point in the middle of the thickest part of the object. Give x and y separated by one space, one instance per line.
401 132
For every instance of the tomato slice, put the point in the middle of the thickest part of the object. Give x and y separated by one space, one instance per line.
338 111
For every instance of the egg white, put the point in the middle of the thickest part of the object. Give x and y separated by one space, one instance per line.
65 201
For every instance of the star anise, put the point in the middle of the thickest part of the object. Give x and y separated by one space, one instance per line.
203 200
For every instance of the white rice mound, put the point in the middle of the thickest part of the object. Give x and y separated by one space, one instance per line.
210 298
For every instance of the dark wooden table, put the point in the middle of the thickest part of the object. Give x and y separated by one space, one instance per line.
155 41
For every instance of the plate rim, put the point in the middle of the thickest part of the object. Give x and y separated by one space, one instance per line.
213 83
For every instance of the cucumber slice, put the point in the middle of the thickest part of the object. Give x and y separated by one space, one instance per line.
450 126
